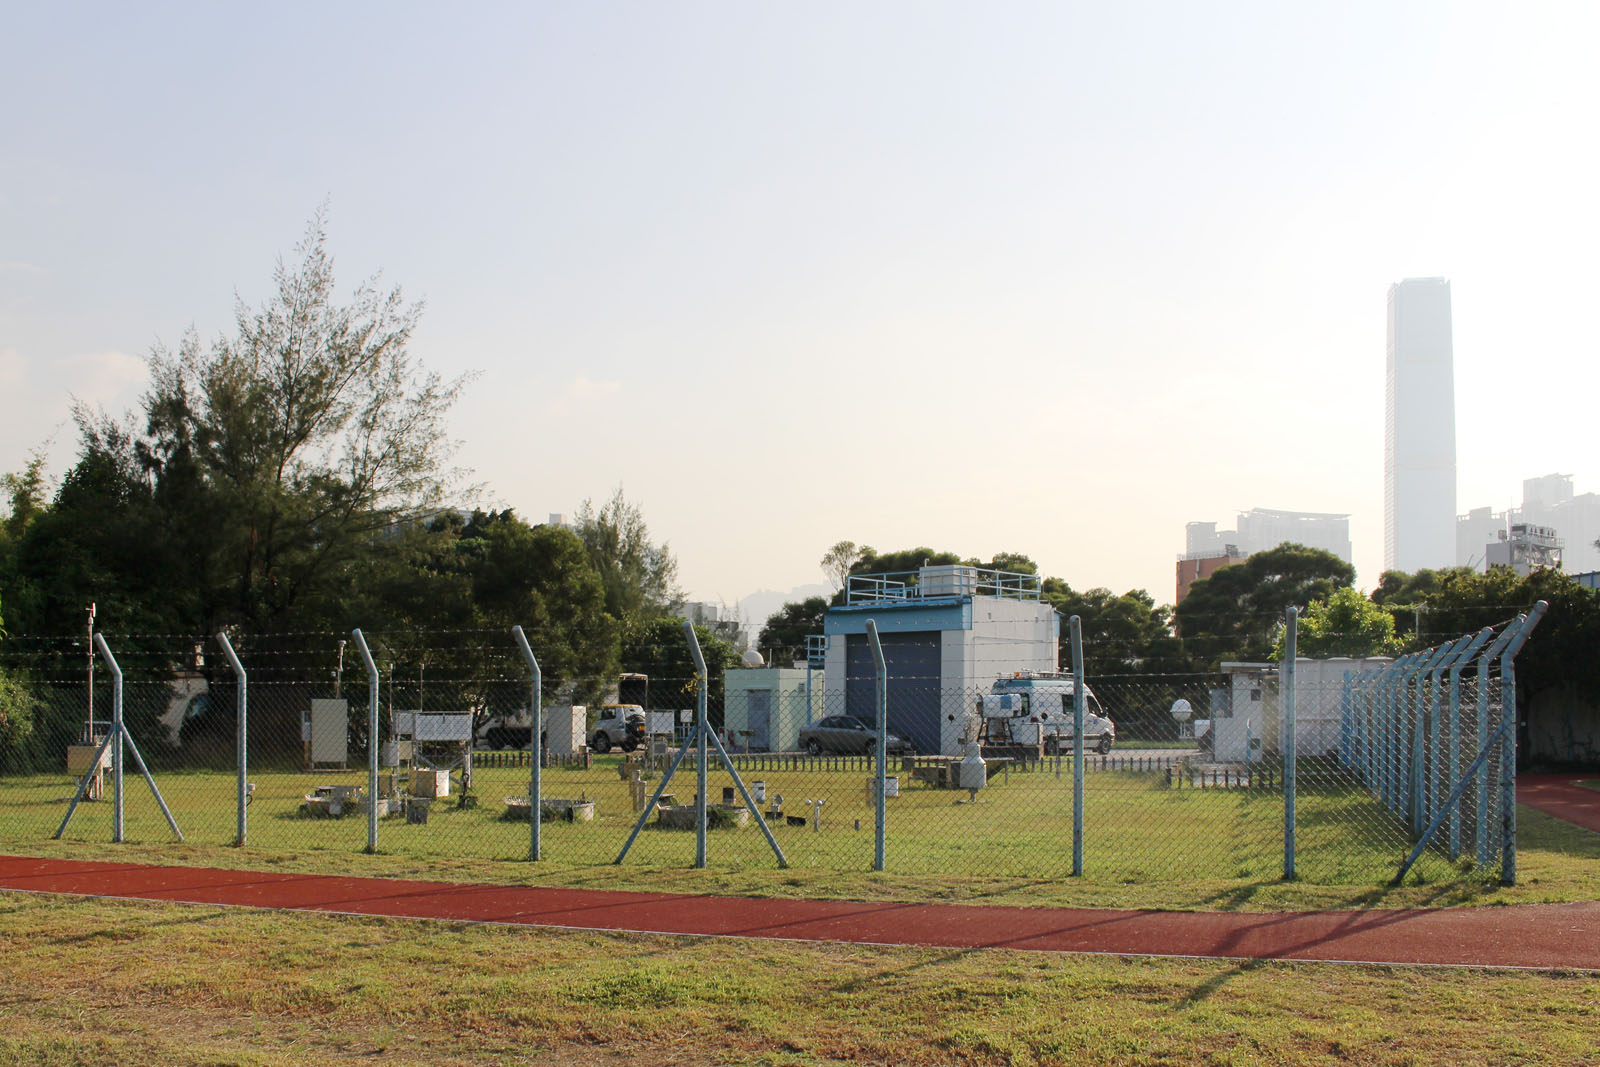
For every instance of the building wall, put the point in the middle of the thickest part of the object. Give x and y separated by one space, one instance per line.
978 638
786 687
1419 469
1192 570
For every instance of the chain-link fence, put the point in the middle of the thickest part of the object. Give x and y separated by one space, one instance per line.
1334 771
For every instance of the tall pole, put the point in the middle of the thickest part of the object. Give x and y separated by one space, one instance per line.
89 648
372 740
881 693
1075 631
1290 654
535 742
243 713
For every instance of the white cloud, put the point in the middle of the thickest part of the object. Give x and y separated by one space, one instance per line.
581 394
110 379
13 369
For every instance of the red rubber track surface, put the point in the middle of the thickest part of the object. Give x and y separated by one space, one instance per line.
1561 795
1565 936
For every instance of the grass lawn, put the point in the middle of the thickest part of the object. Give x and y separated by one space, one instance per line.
1148 844
145 984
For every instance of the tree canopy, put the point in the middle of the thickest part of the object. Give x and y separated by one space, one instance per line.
1234 614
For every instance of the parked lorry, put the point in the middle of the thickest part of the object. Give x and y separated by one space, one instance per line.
1035 708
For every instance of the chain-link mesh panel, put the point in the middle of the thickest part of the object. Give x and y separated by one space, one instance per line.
1183 776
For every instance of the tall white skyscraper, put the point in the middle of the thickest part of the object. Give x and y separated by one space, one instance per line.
1419 445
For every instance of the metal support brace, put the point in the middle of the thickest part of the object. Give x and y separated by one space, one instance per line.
702 732
118 736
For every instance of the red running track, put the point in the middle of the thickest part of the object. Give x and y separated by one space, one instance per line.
1561 795
1562 936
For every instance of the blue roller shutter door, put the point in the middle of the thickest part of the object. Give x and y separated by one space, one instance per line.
914 663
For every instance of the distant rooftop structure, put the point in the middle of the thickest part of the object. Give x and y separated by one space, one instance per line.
1262 528
949 582
1525 548
1548 501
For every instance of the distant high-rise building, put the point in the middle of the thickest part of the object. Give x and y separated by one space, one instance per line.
1419 443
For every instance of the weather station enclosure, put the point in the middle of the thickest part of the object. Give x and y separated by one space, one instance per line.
1247 717
947 633
765 707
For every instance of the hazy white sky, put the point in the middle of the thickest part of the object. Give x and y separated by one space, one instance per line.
1048 278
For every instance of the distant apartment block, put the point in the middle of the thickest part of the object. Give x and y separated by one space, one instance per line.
1419 446
1548 502
1208 549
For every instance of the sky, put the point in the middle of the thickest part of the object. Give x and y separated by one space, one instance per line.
1047 278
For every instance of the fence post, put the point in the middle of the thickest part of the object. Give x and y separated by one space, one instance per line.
116 737
243 718
881 691
1075 630
535 744
703 723
1481 788
1286 699
1508 757
372 740
1453 748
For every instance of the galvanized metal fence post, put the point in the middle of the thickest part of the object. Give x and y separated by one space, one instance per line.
535 744
1453 748
116 737
372 740
881 692
703 723
242 715
1508 757
1075 631
1286 699
1483 787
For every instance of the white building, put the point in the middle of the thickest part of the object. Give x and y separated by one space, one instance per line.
947 632
1260 529
1547 502
1419 447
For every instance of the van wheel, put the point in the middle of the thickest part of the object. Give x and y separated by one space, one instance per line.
1052 747
1105 746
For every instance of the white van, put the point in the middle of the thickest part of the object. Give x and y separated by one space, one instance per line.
1035 708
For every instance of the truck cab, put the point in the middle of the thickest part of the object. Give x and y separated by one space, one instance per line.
1035 708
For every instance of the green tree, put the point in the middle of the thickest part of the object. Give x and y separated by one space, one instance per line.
659 648
1345 624
786 630
1234 614
272 462
837 561
639 576
16 716
1122 635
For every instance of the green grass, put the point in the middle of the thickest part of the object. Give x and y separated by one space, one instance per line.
1148 844
146 984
